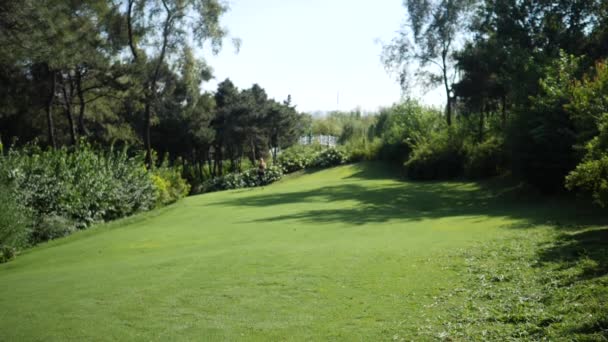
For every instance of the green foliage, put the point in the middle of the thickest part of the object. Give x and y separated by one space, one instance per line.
83 185
589 108
330 157
15 223
51 227
363 150
542 136
487 159
591 177
169 185
298 157
438 157
238 180
403 126
6 253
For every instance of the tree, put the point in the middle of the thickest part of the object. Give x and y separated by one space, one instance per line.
428 41
57 47
284 125
182 21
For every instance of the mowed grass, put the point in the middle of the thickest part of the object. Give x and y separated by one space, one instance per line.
351 253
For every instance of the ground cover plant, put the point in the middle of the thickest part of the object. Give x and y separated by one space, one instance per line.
348 253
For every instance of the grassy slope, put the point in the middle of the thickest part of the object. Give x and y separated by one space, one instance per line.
347 253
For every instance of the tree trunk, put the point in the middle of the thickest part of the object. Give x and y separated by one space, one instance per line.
152 87
49 108
444 69
147 143
67 100
201 173
209 166
448 107
481 121
130 30
81 107
253 154
504 111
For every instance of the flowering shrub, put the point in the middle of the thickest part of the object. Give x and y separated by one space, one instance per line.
330 157
297 158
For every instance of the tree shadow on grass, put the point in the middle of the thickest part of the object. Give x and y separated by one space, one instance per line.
582 261
587 249
414 201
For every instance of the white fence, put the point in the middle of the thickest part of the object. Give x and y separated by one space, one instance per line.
325 140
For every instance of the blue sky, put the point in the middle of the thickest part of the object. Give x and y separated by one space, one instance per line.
313 50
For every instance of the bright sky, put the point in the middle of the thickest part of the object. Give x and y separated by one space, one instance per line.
315 50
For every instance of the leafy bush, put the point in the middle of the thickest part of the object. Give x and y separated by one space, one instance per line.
330 157
487 159
247 179
591 175
403 126
51 227
542 136
7 253
439 157
298 157
251 177
169 185
82 186
363 150
589 109
14 224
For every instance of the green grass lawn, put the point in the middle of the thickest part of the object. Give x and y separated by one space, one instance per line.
350 253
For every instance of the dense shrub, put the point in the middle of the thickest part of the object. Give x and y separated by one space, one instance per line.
330 157
297 157
439 157
247 179
51 227
169 185
487 159
252 178
15 223
363 150
589 109
591 175
403 126
542 135
83 185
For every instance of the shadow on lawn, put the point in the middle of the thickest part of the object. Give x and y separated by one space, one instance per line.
413 201
573 249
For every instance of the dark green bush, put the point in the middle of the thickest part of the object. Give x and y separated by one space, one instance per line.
363 150
83 186
484 160
591 177
589 109
439 157
15 224
542 135
7 253
403 126
51 227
